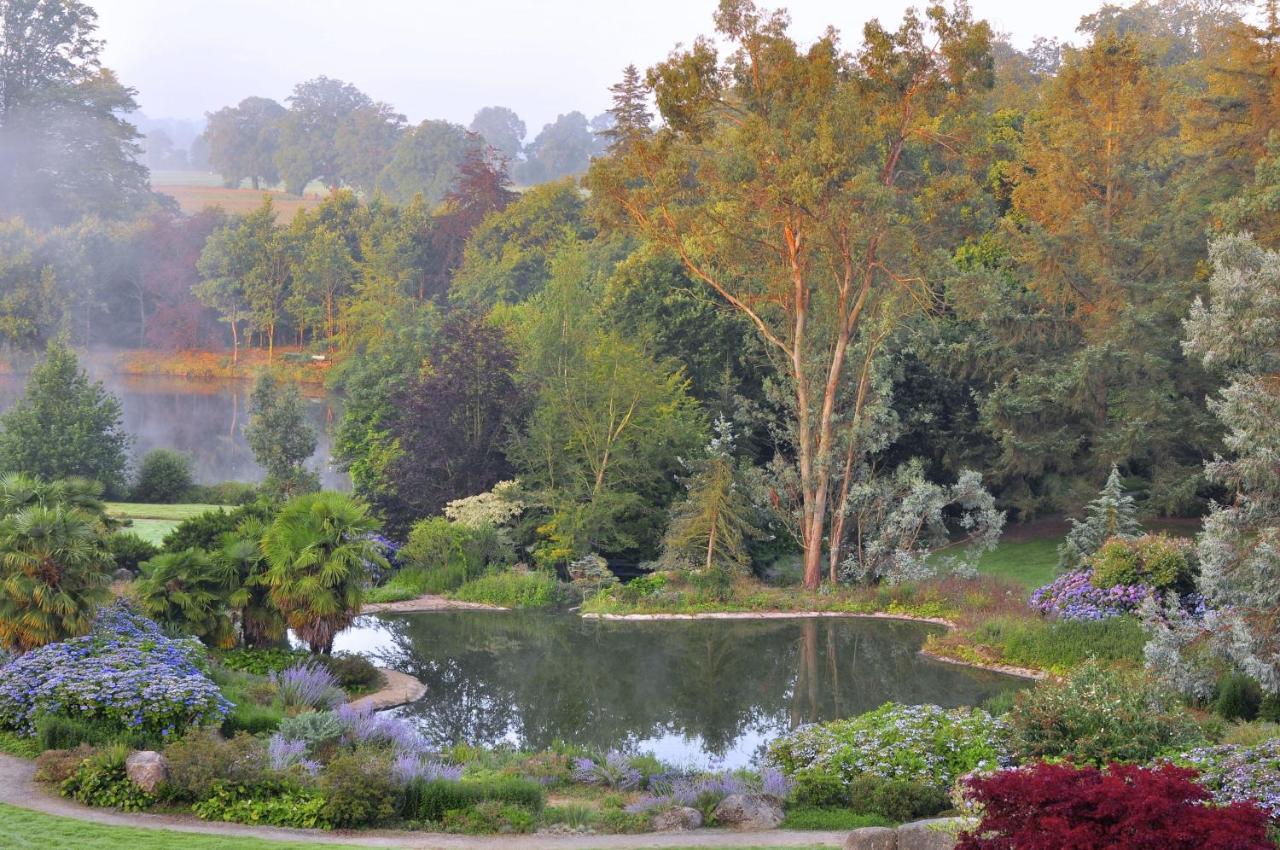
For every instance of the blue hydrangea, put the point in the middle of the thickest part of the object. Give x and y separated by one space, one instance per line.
125 671
1073 597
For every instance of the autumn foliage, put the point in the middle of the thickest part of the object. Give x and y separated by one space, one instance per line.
1053 806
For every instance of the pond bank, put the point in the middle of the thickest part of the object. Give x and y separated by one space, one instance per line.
427 602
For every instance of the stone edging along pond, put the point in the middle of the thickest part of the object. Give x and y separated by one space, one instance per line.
440 603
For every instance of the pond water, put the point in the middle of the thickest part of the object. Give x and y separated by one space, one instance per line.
204 418
693 692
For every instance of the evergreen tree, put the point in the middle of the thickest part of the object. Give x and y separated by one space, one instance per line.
65 426
280 436
630 111
1112 514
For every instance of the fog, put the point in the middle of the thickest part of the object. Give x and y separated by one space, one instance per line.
445 60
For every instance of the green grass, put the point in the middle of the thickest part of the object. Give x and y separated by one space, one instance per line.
1032 563
153 522
1060 645
804 817
24 830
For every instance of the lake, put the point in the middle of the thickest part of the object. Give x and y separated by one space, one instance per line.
693 692
204 418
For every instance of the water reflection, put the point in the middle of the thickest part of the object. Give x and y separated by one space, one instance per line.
204 418
701 692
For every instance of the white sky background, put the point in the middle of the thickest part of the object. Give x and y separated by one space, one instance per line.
448 58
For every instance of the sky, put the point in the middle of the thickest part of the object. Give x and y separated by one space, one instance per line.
447 58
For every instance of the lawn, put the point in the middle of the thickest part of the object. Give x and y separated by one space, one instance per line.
153 522
25 830
1031 563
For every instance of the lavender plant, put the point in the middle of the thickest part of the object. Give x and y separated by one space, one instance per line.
613 771
308 685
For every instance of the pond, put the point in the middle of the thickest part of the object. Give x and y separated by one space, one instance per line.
204 418
694 692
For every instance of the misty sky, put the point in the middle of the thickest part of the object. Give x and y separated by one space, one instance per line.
438 59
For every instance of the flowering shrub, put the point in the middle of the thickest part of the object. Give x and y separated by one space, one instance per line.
1235 774
1100 715
1050 806
704 792
1155 560
613 771
1073 596
124 672
308 685
286 754
921 743
409 767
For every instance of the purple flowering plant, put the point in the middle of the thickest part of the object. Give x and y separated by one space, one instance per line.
1238 774
1072 596
308 684
125 671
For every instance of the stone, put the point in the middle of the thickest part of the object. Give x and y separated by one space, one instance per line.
123 574
679 819
147 769
872 838
748 811
933 834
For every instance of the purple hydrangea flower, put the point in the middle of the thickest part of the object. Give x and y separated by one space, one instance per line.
1073 597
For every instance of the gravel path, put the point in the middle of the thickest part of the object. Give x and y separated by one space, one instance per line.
18 788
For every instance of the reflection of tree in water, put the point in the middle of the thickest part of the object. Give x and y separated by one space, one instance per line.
542 677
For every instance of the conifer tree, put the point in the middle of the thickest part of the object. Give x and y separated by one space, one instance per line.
1112 514
630 111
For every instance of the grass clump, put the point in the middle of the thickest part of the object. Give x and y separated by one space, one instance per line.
1061 645
513 590
833 819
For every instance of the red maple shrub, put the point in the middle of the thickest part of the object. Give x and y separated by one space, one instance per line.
1057 806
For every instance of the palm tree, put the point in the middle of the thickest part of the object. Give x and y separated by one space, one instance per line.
241 552
54 570
18 491
318 554
192 591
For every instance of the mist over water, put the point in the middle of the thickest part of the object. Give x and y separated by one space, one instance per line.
205 418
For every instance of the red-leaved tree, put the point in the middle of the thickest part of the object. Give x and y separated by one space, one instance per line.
1057 806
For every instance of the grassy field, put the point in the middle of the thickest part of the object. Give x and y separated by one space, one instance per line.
195 190
153 522
1029 562
25 830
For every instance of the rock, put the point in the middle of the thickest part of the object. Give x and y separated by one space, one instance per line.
147 769
872 838
934 834
678 819
748 811
122 575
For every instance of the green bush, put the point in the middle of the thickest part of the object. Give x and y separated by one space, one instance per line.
205 530
224 493
1239 697
129 550
1099 715
60 732
442 555
314 727
101 781
622 822
202 760
489 817
260 662
18 745
917 743
1269 708
1061 645
353 672
253 718
357 789
832 819
164 477
269 804
895 799
1156 560
514 590
430 800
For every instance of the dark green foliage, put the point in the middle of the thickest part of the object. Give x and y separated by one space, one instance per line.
353 672
895 800
252 718
101 781
224 493
267 803
429 801
164 477
128 550
65 425
1269 708
832 819
1239 697
202 759
490 817
281 437
205 530
190 591
357 789
260 662
60 732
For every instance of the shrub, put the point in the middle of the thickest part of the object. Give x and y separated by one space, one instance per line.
446 555
357 789
834 820
269 804
164 476
252 718
1154 560
1137 808
308 685
435 798
621 822
1239 697
897 800
18 745
919 743
59 765
1269 708
202 759
1073 596
1236 774
1099 715
205 530
129 550
489 817
59 732
100 780
614 770
314 727
224 493
260 662
126 672
513 590
191 592
353 672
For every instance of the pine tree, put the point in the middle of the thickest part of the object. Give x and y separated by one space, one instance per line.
1112 514
630 111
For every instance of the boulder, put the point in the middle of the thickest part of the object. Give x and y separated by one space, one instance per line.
122 574
147 769
678 819
748 811
933 834
872 838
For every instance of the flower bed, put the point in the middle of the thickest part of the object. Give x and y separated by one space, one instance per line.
126 672
1235 774
1074 597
